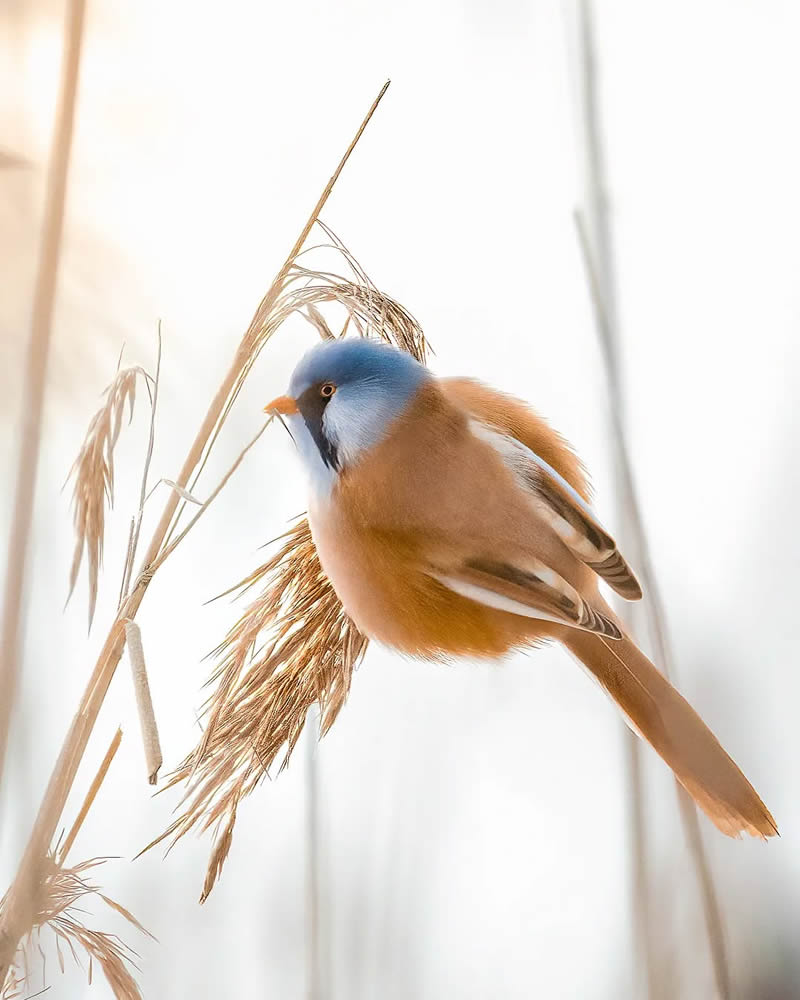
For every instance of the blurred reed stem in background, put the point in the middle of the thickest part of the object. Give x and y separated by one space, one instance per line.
36 370
594 233
315 944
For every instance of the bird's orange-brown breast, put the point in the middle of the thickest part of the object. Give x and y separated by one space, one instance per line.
429 481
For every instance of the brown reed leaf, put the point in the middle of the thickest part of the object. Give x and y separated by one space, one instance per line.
93 472
60 892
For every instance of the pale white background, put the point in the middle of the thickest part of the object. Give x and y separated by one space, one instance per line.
474 819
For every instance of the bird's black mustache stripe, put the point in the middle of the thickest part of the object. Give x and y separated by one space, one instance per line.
311 405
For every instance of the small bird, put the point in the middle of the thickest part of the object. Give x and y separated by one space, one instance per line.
452 521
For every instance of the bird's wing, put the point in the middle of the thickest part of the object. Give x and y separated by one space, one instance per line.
443 509
565 511
535 591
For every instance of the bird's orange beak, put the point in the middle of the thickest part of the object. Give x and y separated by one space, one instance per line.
283 404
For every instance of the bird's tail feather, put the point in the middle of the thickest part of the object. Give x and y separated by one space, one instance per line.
676 732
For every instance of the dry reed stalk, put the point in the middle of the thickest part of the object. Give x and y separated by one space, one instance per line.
36 369
91 795
644 921
598 258
316 939
144 702
59 890
136 524
656 622
17 914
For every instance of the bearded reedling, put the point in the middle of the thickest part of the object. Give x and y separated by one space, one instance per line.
453 521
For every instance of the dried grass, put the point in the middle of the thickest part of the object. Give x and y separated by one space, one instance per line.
16 916
370 311
62 892
53 906
303 290
294 646
93 473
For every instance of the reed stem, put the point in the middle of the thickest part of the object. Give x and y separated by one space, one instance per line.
16 917
36 369
597 249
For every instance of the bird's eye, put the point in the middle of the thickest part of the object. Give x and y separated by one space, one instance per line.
327 389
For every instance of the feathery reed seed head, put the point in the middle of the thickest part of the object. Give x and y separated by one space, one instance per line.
61 892
93 472
294 646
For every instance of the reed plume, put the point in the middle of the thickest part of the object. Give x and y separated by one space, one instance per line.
93 474
294 645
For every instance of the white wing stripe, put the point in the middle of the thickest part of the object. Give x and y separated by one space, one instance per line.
492 600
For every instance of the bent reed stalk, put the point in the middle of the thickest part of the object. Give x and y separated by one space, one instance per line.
18 911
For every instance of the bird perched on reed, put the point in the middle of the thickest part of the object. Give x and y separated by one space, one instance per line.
453 521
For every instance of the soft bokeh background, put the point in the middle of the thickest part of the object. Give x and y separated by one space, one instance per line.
475 830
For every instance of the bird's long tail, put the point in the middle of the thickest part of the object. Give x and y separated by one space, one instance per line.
675 731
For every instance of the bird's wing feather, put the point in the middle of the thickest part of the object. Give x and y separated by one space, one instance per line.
533 592
565 510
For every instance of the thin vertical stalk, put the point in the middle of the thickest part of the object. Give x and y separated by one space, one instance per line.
599 239
314 941
36 370
16 916
598 255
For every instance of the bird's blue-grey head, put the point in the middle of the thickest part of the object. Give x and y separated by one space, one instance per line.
343 397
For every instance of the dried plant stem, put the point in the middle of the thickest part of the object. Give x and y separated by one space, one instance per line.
16 918
600 275
170 548
240 363
36 369
603 261
91 795
137 524
144 702
315 984
644 918
662 649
